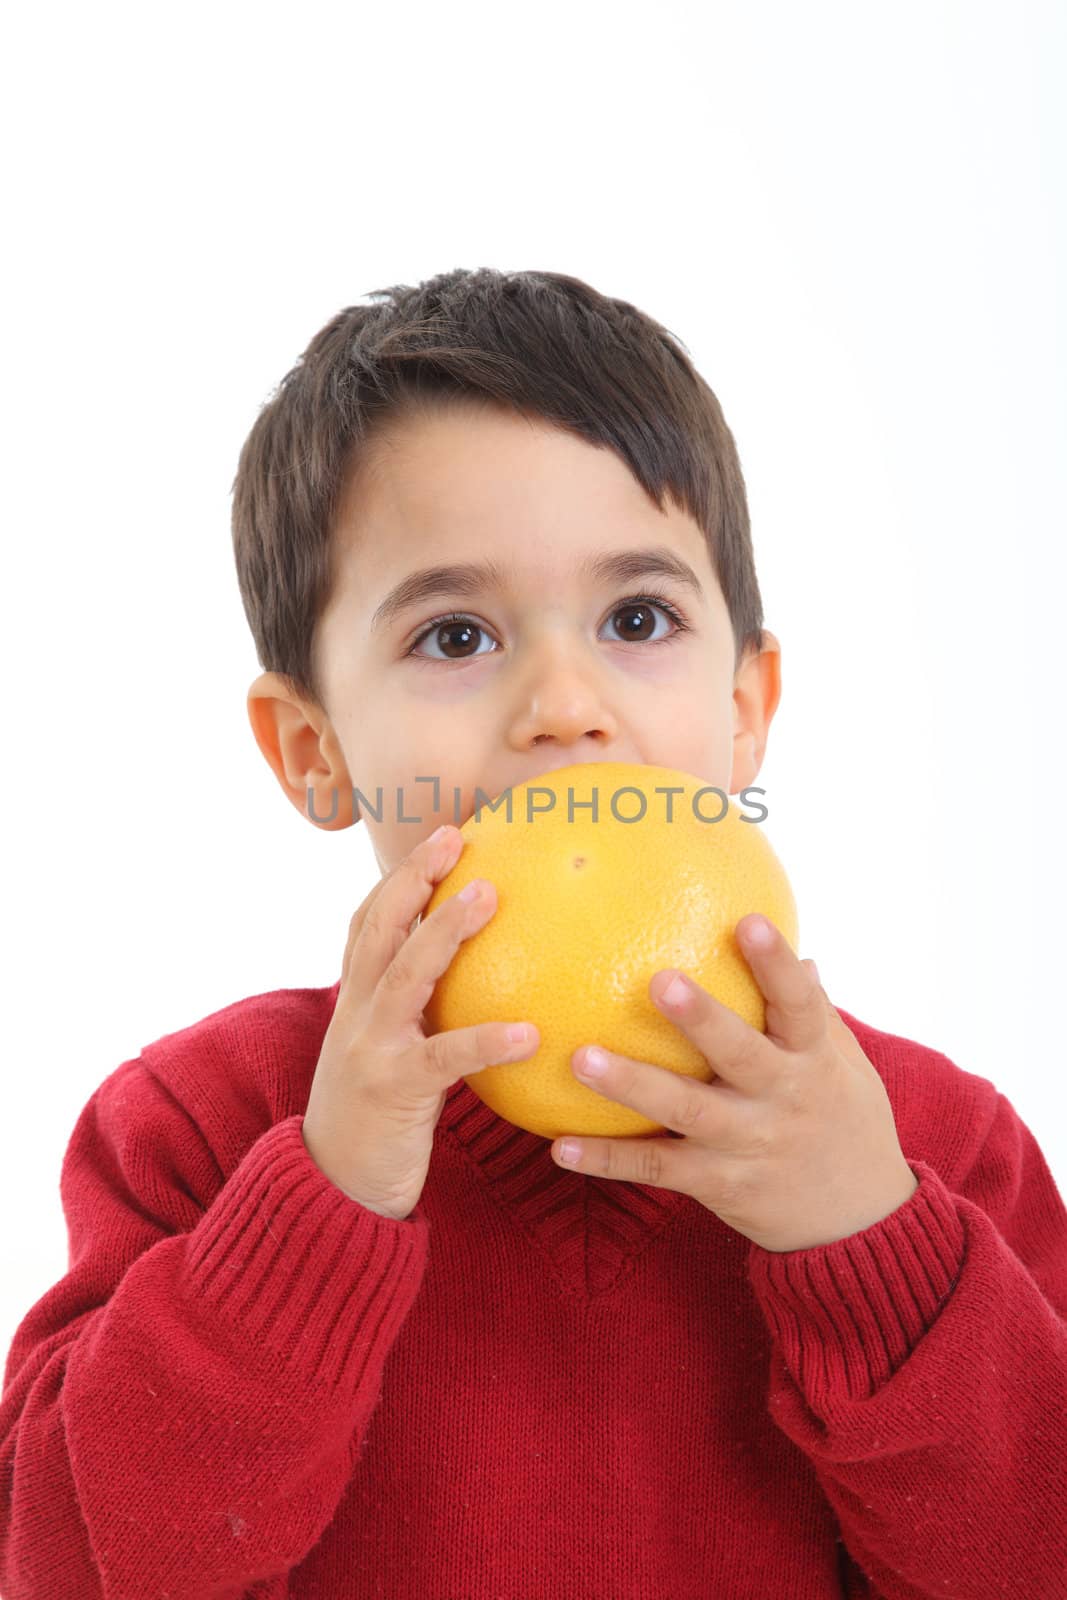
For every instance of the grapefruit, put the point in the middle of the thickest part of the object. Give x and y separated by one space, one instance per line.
590 904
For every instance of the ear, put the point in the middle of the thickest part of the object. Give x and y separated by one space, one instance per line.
757 691
299 745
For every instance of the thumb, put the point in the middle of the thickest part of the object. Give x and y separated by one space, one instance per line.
808 962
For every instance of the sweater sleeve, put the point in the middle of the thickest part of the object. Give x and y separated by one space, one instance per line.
921 1365
182 1411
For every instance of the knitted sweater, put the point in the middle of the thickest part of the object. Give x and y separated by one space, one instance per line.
539 1386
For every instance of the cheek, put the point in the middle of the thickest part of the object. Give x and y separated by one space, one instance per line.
672 663
436 684
693 732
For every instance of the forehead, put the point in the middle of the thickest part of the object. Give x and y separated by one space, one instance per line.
478 481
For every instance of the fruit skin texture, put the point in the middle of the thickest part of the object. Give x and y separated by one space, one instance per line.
587 912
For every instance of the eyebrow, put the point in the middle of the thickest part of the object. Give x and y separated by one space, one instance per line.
470 578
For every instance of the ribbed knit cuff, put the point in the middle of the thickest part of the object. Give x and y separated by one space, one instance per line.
846 1315
302 1269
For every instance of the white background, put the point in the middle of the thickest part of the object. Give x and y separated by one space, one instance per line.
853 216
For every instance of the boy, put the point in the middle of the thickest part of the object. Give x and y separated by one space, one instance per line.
295 1357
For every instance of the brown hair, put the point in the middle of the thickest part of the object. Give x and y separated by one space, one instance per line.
540 343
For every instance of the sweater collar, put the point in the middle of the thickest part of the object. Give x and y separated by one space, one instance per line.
591 1228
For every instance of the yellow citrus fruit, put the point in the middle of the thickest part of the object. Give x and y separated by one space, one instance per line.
590 904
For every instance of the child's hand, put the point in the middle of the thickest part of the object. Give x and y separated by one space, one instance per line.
795 1144
380 1083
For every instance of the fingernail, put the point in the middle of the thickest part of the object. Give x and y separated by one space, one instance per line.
676 992
439 833
758 932
815 969
593 1063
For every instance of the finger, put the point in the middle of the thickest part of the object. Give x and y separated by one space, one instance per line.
459 1052
677 1101
838 1026
736 1052
795 1003
408 981
383 921
660 1162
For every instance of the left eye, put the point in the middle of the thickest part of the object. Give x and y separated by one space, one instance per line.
460 626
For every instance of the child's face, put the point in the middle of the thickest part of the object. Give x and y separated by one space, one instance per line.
548 670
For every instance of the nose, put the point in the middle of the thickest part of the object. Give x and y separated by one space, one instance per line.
561 697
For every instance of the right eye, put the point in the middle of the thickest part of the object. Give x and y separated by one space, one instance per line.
456 624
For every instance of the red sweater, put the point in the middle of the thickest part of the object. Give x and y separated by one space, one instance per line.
541 1385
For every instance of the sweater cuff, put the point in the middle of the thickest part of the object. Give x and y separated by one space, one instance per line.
318 1280
846 1315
